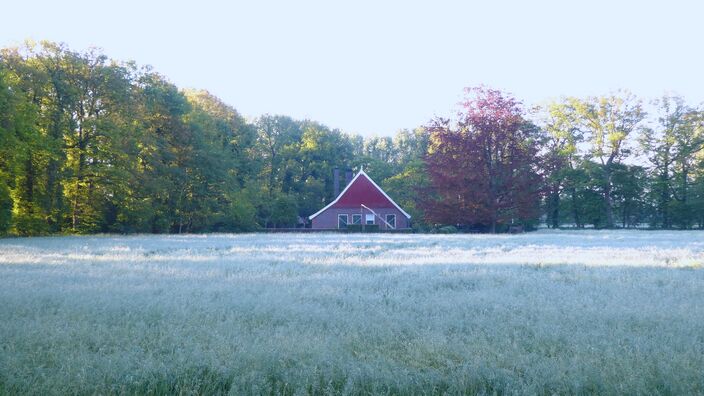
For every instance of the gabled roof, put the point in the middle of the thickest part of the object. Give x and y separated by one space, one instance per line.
361 190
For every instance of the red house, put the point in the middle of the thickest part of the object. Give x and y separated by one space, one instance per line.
362 202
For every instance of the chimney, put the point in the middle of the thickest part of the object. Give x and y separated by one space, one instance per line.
348 176
336 181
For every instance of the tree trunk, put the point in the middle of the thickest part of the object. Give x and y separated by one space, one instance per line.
685 174
624 215
79 167
575 208
54 201
79 178
608 202
29 183
665 198
555 209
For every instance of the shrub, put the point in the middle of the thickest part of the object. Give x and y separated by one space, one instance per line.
447 230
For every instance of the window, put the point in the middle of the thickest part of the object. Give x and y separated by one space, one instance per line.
391 219
369 219
357 219
342 221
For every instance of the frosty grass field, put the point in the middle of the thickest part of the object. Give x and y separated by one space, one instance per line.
617 312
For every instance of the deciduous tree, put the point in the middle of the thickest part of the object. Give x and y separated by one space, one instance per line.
483 169
608 121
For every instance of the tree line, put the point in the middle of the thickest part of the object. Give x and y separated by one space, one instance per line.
89 144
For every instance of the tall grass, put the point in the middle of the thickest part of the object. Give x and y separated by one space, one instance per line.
597 312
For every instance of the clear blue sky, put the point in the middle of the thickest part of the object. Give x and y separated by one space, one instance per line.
372 67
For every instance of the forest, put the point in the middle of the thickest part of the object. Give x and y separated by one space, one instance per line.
89 144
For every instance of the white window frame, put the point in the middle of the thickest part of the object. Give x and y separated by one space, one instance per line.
367 217
359 216
390 215
347 220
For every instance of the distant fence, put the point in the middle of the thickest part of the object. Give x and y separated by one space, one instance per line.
342 231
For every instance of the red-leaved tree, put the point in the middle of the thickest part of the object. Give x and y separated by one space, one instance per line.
483 168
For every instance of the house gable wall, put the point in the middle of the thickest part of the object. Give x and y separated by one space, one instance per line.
328 218
361 195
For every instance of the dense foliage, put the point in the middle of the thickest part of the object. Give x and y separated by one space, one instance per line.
88 144
92 145
484 171
608 164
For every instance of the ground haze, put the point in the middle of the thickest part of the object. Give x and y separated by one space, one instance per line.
618 312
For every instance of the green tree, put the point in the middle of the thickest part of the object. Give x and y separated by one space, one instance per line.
671 146
608 121
630 183
8 144
29 150
410 179
562 136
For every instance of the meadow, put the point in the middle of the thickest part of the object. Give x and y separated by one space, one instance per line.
549 312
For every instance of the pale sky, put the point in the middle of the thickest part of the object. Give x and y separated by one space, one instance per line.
373 67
